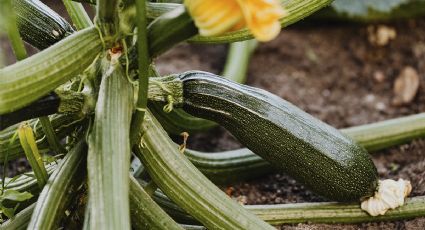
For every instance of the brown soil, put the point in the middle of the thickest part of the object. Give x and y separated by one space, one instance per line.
329 71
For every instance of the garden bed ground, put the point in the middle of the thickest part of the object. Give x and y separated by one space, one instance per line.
333 72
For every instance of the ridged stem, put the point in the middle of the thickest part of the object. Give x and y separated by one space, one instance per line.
34 77
183 183
109 152
319 212
60 189
78 14
107 17
145 213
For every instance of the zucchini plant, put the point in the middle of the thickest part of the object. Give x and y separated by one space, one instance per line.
93 98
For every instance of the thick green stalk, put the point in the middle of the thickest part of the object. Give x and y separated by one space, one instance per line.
319 212
39 25
109 152
106 17
384 134
20 221
186 186
236 165
71 102
143 66
27 182
237 62
78 14
8 19
145 213
334 212
34 77
60 189
51 137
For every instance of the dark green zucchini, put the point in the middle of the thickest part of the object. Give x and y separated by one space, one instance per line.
51 27
314 153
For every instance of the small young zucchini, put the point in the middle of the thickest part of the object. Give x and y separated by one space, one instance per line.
314 153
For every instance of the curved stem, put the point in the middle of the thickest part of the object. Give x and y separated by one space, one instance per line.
180 180
78 14
109 152
145 213
143 66
319 212
34 77
237 62
62 185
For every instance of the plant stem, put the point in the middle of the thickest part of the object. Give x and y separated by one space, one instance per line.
34 77
107 17
60 190
145 213
319 212
196 194
143 66
78 14
237 62
109 152
52 139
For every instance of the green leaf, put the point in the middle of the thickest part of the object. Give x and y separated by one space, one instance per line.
9 212
362 7
16 195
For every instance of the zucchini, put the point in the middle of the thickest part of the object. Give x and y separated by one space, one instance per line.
241 164
235 69
50 27
314 153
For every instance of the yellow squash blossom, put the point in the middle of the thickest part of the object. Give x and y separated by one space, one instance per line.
215 17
